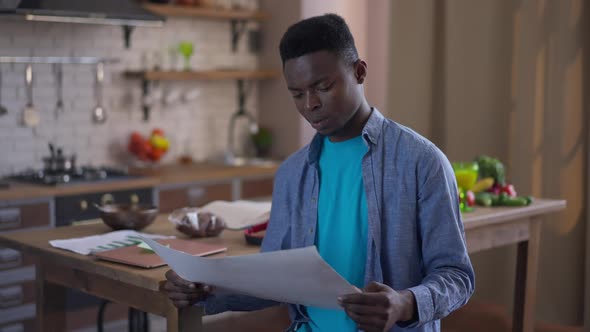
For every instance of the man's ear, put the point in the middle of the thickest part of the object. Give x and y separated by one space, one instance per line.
360 71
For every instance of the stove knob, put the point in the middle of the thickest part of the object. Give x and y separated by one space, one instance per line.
107 199
83 205
134 199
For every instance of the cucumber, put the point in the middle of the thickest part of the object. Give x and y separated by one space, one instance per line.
484 198
516 201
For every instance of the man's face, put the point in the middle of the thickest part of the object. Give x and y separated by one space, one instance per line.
325 90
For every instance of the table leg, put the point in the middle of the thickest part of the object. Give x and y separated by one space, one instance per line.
51 304
527 262
183 320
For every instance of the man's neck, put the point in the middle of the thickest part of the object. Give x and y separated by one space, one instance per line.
355 126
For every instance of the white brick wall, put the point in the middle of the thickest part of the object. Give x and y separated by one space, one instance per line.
198 127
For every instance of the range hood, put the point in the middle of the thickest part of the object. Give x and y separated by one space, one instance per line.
112 12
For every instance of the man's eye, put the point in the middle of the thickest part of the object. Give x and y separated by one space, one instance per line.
325 88
297 95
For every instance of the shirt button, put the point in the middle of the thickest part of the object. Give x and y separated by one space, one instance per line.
313 199
311 231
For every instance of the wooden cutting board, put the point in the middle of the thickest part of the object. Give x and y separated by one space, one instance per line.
136 256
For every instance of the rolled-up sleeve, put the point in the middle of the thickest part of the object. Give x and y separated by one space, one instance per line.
449 278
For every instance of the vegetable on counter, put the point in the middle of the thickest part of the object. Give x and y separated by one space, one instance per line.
148 149
483 185
491 167
470 198
503 199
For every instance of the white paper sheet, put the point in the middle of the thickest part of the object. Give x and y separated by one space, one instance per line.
240 214
108 241
297 276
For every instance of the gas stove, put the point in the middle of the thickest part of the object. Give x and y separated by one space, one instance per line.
78 175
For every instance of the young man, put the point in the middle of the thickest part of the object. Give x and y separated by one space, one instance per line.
378 200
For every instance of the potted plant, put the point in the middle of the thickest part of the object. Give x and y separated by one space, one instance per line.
262 141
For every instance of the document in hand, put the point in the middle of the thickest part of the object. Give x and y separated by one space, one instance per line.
297 276
240 214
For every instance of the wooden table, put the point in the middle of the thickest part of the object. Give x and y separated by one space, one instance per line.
485 228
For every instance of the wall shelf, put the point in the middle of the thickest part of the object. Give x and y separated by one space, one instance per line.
207 75
203 75
237 17
206 12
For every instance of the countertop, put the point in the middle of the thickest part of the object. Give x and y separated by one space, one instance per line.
176 173
152 177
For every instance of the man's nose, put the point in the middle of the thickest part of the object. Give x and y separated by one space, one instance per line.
311 101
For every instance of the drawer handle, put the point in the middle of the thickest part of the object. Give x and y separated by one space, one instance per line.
134 199
9 218
9 258
107 199
11 296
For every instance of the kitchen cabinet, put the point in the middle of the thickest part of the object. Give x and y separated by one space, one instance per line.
25 214
17 270
256 188
198 194
178 196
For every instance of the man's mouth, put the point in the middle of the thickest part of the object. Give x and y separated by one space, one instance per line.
319 123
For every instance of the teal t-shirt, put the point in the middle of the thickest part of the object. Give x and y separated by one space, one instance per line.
341 236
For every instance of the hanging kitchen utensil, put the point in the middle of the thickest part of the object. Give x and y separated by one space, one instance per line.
58 72
3 109
31 117
99 114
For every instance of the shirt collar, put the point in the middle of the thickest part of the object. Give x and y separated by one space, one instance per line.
371 133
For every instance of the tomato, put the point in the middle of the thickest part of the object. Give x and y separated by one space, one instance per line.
470 198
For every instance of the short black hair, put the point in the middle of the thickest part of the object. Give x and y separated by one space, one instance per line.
327 32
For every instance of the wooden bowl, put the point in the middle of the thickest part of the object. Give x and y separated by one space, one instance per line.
128 216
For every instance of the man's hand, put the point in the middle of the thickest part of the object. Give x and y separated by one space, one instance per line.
184 293
379 307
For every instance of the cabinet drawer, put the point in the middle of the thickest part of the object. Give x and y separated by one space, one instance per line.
193 195
256 188
11 258
24 216
17 275
22 326
18 313
14 295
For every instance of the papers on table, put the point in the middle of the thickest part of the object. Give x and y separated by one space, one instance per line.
108 241
298 276
240 214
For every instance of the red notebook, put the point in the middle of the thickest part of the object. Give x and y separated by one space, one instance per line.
136 256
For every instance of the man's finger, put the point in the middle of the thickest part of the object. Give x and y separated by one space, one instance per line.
369 328
366 309
176 279
365 319
184 297
171 288
181 304
375 299
374 287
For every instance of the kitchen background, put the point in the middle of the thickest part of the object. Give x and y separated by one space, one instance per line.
504 78
196 119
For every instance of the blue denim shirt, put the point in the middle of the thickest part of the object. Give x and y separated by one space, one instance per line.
416 237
